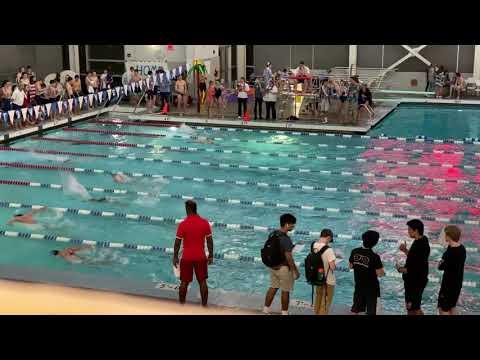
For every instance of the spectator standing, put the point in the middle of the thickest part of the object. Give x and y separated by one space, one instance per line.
277 255
90 82
60 90
30 72
439 82
24 80
150 81
202 88
430 78
270 99
415 271
19 97
6 96
32 92
242 97
324 294
367 268
182 94
19 75
68 88
77 86
452 265
163 83
352 100
192 233
259 93
267 73
95 82
127 77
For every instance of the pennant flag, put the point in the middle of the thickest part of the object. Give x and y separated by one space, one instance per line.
85 101
80 101
48 106
37 111
125 89
174 72
11 114
148 82
90 99
18 114
70 103
180 69
60 106
140 84
30 111
187 66
168 75
161 77
118 90
24 113
109 94
5 117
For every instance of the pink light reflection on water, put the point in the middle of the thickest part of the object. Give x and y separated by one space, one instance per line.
403 205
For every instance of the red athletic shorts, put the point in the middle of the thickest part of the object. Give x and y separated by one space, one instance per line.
187 267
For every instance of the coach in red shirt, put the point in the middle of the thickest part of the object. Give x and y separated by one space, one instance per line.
193 231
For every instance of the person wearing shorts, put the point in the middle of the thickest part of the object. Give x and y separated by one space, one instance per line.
193 231
452 265
415 271
283 276
367 268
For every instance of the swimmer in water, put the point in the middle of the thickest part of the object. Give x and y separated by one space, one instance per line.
120 178
70 254
27 218
203 140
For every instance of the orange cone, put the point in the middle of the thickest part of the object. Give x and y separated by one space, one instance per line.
165 109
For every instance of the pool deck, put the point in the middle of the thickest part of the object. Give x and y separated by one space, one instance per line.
384 108
9 135
297 125
69 292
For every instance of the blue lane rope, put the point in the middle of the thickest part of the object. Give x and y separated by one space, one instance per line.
257 153
219 256
254 203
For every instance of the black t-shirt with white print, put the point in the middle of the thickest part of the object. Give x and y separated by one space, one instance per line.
365 263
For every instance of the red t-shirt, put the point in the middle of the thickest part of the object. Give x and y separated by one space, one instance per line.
193 230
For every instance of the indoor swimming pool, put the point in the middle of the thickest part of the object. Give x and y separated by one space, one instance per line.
243 180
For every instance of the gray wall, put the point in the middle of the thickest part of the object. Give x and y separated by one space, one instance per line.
44 59
325 56
446 55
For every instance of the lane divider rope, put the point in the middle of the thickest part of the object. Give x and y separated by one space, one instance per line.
218 256
256 203
417 139
169 220
245 152
196 137
271 185
196 163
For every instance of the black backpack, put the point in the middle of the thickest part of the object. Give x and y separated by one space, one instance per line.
272 253
314 267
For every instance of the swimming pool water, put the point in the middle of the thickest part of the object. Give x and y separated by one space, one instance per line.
234 275
436 121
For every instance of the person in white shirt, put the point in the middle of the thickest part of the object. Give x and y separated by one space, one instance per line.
242 96
18 99
270 99
324 294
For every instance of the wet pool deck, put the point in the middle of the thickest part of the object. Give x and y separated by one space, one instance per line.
30 291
